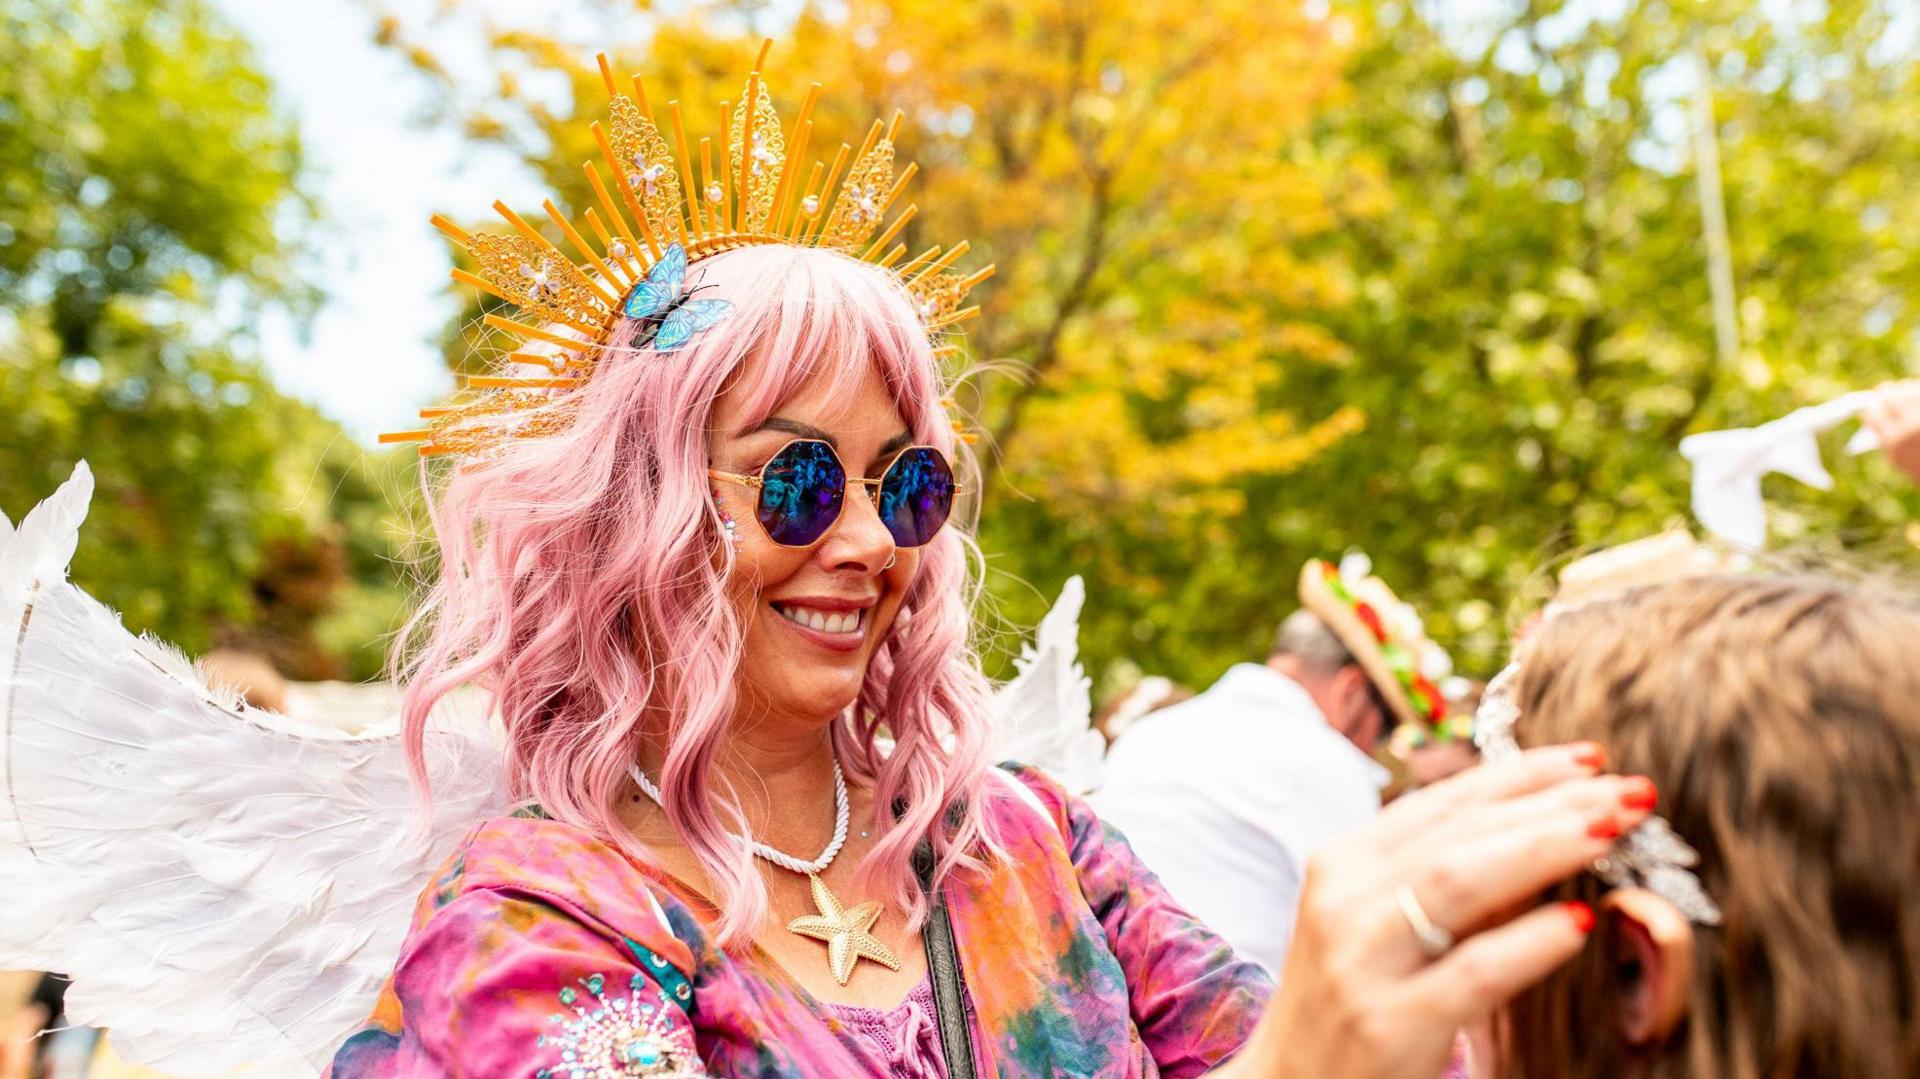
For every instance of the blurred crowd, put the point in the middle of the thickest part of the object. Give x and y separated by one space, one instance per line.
1227 792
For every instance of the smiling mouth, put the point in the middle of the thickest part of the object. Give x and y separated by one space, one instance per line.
834 622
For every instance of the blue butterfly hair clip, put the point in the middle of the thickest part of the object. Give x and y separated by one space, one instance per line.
662 301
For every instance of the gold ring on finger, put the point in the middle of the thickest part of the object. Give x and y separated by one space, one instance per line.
1435 939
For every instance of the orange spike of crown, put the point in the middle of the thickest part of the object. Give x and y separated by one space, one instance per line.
644 185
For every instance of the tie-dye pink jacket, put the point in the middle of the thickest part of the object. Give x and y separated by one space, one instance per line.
542 951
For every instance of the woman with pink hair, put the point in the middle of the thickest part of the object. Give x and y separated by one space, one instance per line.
713 566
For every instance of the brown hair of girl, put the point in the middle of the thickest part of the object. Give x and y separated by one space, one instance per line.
1780 719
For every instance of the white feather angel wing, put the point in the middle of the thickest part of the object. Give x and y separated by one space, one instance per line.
226 886
1044 715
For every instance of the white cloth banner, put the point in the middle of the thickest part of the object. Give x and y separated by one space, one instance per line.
1727 465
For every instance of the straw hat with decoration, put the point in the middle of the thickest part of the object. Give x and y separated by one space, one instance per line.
1386 637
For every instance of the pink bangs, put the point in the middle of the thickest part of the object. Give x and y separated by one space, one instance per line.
578 585
818 314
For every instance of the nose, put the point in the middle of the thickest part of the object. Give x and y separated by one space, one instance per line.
859 540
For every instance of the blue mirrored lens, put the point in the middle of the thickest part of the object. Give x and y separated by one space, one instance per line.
800 493
916 495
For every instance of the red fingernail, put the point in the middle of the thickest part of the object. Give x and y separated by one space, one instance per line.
1605 828
1581 914
1591 755
1639 793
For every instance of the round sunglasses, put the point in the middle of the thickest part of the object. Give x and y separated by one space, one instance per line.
804 486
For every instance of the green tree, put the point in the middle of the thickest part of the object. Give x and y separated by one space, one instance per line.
1515 207
149 210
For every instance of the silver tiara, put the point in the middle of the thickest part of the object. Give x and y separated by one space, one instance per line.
1652 856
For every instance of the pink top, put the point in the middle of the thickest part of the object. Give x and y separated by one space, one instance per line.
543 952
907 1037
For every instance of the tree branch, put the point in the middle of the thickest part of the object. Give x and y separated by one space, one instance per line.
1047 354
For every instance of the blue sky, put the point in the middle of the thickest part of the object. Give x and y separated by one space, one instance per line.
369 360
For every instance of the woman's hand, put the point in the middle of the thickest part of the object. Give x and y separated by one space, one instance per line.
1361 995
1894 416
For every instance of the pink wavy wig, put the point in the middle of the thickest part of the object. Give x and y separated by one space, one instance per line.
582 584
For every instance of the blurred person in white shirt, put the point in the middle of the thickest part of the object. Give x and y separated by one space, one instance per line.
1226 795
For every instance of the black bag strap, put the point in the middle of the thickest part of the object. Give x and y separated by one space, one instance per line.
943 969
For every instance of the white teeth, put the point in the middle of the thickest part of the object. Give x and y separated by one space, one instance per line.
822 621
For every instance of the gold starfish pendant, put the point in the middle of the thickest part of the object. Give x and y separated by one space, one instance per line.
846 931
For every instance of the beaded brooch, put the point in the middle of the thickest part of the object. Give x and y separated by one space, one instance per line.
615 1038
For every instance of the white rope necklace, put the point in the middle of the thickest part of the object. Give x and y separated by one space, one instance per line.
781 858
847 931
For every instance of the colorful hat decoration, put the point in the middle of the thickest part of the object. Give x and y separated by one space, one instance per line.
1386 637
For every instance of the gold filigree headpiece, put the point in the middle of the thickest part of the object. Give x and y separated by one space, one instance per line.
654 203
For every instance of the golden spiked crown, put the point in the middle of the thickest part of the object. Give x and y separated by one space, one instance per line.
653 205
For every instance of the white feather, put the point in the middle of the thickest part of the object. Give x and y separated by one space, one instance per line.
45 541
37 553
226 886
1044 715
